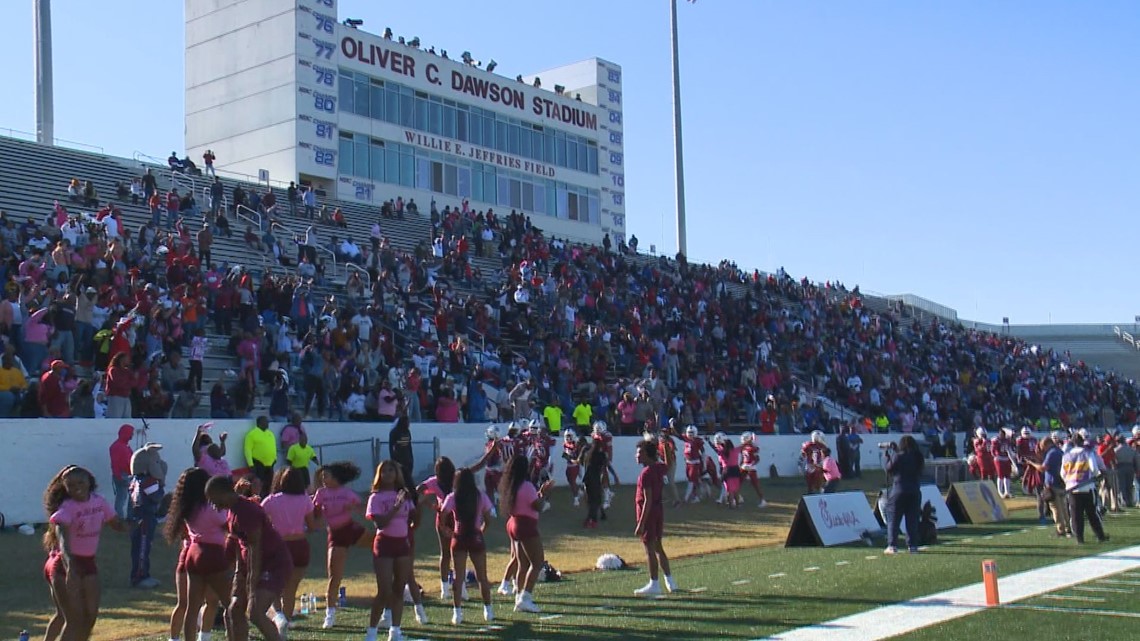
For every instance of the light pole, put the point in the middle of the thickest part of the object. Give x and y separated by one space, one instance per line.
678 154
45 120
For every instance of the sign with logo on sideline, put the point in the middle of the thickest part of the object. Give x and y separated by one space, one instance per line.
976 502
831 519
930 494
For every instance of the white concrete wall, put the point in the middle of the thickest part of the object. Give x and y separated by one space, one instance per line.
37 449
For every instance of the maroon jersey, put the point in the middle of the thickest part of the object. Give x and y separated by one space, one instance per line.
999 448
540 450
749 456
570 451
812 452
652 478
694 450
1026 447
606 441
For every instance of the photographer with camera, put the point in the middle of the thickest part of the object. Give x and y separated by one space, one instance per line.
904 465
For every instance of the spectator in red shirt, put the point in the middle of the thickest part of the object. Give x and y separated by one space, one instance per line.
53 398
121 452
120 380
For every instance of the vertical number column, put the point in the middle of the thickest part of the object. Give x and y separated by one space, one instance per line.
317 57
612 156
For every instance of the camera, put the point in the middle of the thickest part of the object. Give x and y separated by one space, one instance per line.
888 445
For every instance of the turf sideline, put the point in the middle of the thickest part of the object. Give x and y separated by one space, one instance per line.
892 620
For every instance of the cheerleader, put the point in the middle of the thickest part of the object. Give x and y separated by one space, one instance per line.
570 453
432 492
203 572
521 501
466 512
749 460
811 454
1025 448
730 467
290 511
983 465
650 514
392 508
694 453
264 565
335 502
76 515
1003 466
493 458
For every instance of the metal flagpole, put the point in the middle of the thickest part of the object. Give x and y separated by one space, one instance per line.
45 119
678 162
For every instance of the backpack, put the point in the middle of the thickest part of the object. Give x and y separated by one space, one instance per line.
928 525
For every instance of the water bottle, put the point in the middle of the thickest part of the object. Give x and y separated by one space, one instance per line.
312 603
342 602
305 605
24 635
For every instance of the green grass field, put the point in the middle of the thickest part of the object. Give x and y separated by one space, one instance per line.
736 579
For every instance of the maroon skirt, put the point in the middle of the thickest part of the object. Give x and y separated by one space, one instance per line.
55 569
346 535
205 559
299 550
522 528
390 547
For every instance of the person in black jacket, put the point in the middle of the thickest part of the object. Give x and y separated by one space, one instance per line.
904 465
400 447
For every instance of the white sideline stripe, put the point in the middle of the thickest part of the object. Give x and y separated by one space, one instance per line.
843 563
893 620
549 617
1118 582
1093 588
1092 612
1073 597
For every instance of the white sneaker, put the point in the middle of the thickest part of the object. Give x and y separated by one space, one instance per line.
670 584
463 593
488 613
370 634
408 600
386 618
456 616
421 614
394 634
444 590
763 504
577 500
330 619
652 588
523 603
506 588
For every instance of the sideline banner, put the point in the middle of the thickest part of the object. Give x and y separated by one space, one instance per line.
831 519
976 502
931 495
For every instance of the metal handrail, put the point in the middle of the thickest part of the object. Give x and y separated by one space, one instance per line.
332 255
255 218
31 137
138 154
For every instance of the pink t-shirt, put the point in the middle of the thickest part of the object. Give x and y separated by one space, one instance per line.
524 501
82 522
336 505
484 507
213 466
626 410
381 503
431 486
208 525
287 512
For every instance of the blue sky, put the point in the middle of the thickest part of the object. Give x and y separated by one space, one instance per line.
985 155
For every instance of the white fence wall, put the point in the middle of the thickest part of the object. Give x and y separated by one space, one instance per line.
37 449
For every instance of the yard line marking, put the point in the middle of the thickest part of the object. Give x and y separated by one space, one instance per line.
1007 533
1093 588
742 581
657 597
1057 608
966 541
988 537
1073 597
901 618
603 607
843 563
870 558
549 617
811 569
776 575
923 548
1118 582
697 590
